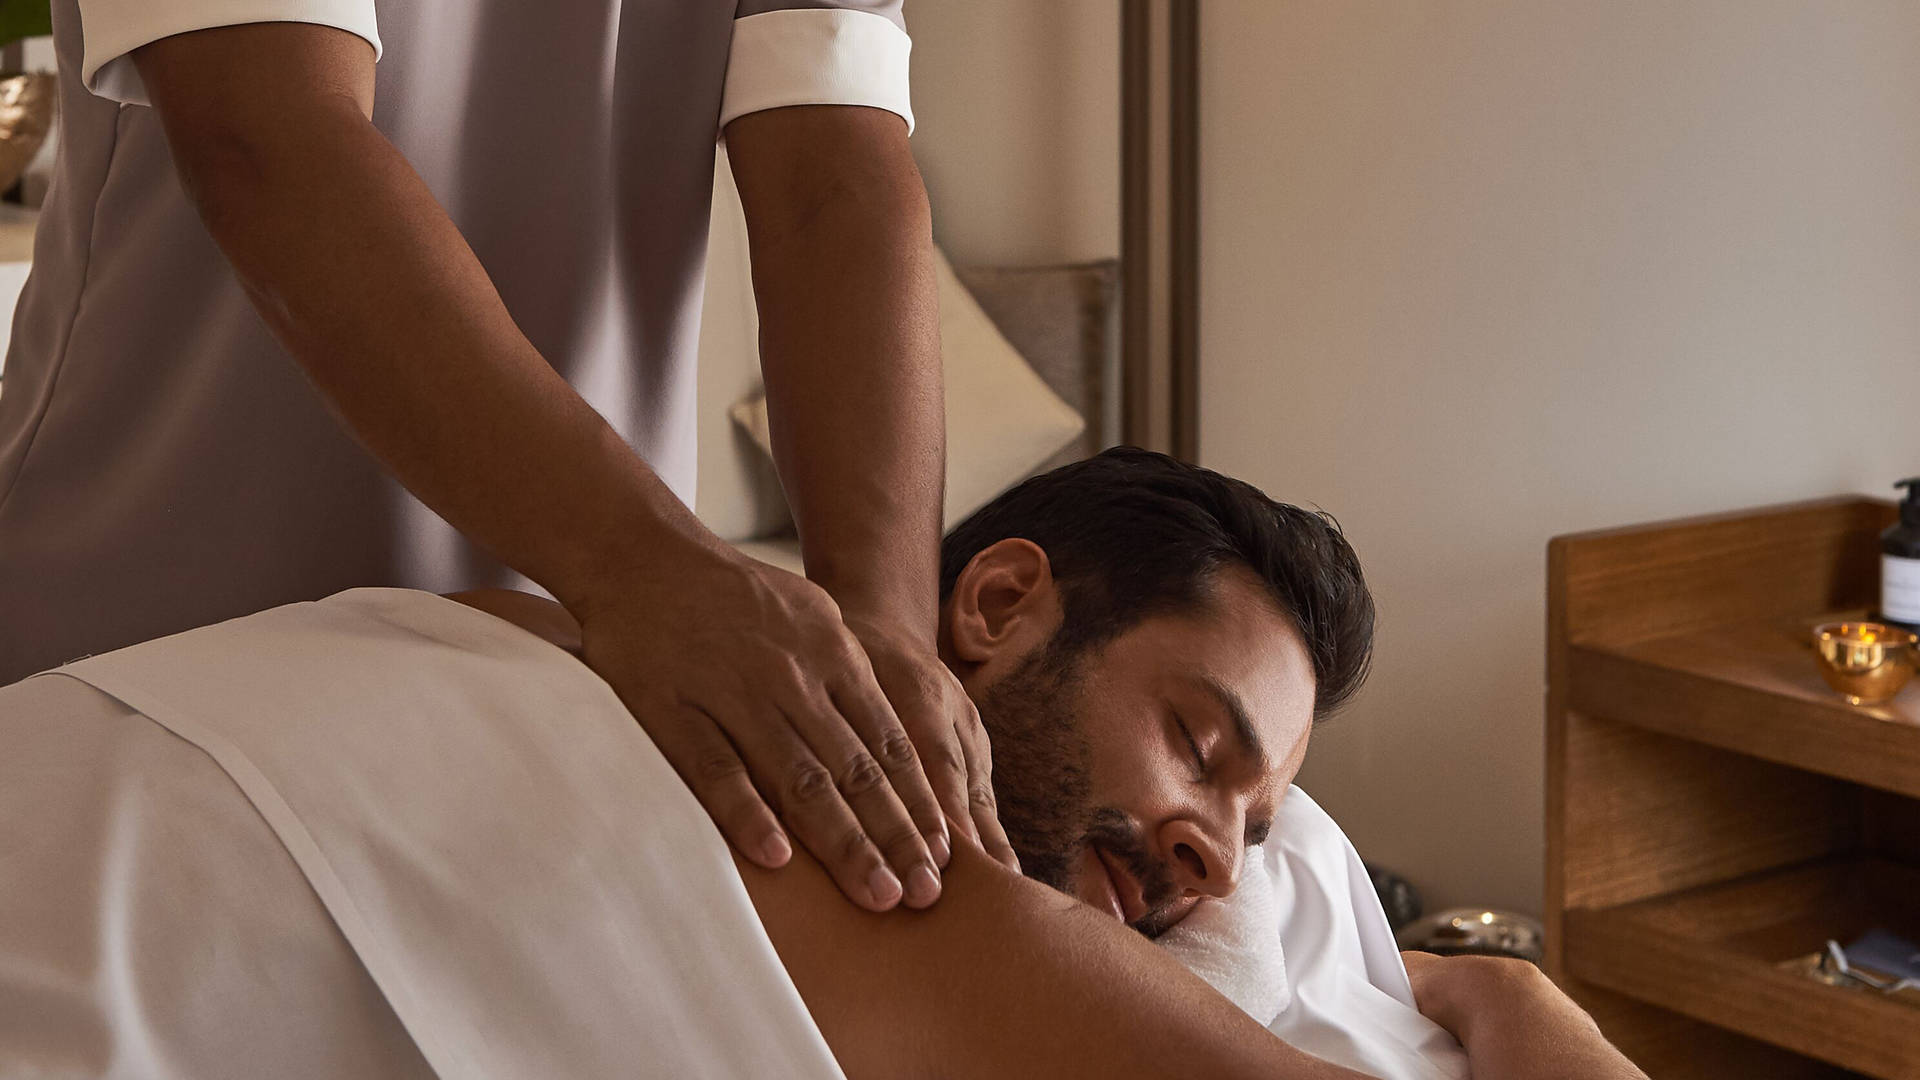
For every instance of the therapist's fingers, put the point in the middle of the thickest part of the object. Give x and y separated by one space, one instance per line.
982 805
922 698
864 751
818 802
868 706
946 767
694 744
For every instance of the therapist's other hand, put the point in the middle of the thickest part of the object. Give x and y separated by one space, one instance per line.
750 683
945 728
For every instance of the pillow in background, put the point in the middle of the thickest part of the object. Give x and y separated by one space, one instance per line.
1003 422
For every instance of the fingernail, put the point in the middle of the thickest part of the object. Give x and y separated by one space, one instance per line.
942 849
884 887
923 887
775 850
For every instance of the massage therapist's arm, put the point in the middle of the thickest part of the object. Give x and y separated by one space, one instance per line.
368 284
850 346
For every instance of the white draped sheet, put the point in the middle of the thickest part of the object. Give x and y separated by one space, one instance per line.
259 849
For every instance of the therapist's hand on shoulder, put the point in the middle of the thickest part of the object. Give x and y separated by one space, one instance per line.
765 702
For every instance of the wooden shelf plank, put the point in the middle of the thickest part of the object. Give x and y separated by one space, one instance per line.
1667 577
1751 687
1669 1046
1712 954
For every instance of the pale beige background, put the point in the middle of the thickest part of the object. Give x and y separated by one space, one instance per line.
1475 274
1017 109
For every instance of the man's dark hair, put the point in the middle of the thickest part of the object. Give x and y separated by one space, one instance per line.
1131 534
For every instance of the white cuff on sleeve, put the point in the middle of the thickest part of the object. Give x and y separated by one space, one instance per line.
110 29
816 56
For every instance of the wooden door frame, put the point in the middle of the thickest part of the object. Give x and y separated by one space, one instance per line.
1160 225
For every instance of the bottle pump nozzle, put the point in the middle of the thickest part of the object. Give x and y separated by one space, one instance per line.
1909 506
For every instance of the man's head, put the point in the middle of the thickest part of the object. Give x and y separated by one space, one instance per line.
1149 644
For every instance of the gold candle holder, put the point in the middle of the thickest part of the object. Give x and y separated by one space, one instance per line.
1866 662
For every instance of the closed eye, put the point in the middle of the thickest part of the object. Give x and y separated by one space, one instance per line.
1193 746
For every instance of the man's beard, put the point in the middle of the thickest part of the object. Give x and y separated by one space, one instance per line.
1041 761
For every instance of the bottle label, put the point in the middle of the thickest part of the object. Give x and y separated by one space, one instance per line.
1900 588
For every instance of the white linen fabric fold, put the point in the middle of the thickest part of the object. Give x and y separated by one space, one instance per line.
577 915
1304 947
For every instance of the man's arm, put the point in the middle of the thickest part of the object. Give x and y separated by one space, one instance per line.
1514 1023
730 665
842 249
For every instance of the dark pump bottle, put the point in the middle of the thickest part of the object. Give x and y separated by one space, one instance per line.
1900 562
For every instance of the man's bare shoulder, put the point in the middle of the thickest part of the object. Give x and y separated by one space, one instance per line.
1002 977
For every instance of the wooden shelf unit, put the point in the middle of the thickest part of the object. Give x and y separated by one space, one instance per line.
1712 808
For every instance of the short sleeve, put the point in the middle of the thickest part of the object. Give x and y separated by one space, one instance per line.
785 54
110 29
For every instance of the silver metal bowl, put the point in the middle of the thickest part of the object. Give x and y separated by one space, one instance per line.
1475 932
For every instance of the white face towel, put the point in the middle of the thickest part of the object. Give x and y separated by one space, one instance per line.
1235 944
1304 947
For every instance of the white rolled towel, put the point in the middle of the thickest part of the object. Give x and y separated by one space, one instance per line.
1235 944
1304 947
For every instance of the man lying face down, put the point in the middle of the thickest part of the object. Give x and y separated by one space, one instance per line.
379 837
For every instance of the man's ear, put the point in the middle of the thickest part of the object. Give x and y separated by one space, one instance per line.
1004 599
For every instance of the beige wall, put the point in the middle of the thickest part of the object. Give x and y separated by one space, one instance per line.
1017 127
1476 274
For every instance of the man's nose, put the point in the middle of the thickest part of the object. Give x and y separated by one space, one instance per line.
1202 864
